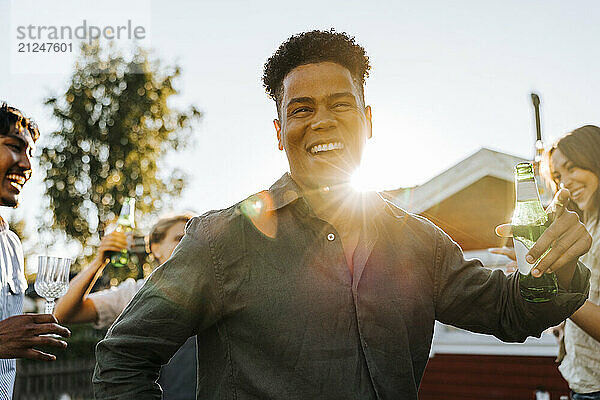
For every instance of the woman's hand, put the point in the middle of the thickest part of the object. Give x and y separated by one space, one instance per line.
114 241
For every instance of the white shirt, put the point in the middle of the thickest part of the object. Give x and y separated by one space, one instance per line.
111 302
12 287
581 365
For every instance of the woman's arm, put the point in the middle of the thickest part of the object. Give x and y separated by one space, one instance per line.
588 319
75 306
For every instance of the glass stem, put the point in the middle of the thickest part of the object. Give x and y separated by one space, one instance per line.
49 309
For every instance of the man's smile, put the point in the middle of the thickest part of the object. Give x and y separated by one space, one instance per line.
16 180
326 147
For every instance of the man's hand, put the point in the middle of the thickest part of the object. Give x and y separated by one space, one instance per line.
566 236
21 333
114 241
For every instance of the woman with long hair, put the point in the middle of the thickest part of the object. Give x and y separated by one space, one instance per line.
573 162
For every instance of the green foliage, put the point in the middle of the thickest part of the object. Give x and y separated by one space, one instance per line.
115 125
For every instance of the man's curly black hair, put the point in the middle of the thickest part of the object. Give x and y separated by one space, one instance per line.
314 47
10 116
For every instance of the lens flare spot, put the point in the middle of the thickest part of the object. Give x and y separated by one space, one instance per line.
260 211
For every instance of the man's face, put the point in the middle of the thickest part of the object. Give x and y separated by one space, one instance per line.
15 165
324 124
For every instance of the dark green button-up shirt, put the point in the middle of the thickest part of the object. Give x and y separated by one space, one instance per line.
266 288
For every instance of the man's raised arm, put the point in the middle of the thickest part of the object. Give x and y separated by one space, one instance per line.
472 297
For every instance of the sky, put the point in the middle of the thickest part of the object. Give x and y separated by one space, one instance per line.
447 78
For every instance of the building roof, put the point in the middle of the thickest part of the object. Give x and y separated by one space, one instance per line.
484 162
468 200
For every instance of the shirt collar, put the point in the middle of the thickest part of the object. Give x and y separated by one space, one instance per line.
391 208
285 191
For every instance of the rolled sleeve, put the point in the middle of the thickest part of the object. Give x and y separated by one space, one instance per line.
570 300
177 302
473 297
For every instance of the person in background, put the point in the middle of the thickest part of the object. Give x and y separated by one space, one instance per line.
573 162
311 290
20 334
178 377
588 319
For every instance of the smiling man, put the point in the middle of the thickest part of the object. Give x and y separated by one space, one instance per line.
309 290
19 334
326 124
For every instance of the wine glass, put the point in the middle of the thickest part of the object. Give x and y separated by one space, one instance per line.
52 279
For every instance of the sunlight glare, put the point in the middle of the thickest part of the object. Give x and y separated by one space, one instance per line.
361 181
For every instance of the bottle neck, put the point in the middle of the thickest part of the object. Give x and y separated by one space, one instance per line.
527 190
127 213
125 210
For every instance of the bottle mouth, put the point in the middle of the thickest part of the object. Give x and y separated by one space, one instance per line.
524 168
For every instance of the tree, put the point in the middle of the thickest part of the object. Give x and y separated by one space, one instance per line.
115 125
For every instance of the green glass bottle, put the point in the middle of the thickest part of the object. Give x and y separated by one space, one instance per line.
529 221
126 223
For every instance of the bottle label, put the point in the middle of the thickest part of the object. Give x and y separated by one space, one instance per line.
526 190
521 251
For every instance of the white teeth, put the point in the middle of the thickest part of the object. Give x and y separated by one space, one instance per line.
16 185
326 147
16 180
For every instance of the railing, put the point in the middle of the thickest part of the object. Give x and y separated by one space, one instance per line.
67 378
58 380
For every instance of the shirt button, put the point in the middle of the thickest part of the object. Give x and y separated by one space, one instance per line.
331 237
